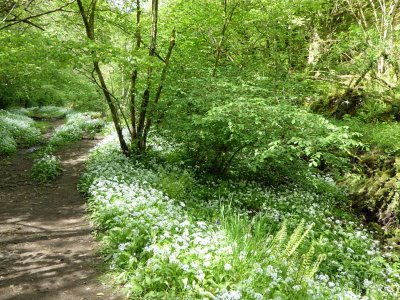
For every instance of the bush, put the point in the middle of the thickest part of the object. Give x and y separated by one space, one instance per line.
46 168
65 134
251 136
87 122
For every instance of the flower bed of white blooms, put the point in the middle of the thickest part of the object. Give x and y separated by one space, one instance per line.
159 248
42 112
16 130
77 125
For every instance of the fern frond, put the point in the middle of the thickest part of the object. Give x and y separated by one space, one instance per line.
280 237
310 274
307 260
297 238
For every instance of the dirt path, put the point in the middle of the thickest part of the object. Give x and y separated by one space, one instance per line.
46 247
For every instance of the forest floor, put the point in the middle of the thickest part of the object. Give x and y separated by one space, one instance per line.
46 247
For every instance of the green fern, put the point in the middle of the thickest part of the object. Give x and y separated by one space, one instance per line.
280 237
307 262
311 272
297 238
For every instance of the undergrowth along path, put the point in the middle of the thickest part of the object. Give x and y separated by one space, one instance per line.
46 247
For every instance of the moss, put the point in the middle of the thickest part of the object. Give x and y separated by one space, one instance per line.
376 189
340 104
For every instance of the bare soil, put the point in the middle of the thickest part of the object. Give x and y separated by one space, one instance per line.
46 247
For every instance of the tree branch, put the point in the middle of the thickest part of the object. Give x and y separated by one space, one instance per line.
16 20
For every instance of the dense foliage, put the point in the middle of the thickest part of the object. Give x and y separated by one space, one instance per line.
16 130
255 136
265 116
77 126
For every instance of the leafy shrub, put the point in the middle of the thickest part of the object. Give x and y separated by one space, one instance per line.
252 136
65 134
382 135
87 122
46 168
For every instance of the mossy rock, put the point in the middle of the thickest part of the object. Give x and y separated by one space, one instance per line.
341 104
376 191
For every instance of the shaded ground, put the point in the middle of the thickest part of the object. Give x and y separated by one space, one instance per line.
46 247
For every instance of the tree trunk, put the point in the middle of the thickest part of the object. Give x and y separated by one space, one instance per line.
160 84
141 136
113 109
88 20
227 20
134 78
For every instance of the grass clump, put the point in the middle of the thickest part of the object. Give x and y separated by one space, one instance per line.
46 168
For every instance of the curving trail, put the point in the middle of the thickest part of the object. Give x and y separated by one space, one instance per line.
46 247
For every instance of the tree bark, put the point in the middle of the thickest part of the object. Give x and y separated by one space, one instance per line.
161 83
134 78
88 20
141 137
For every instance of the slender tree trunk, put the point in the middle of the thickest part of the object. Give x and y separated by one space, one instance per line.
227 20
141 137
113 109
161 84
134 78
88 20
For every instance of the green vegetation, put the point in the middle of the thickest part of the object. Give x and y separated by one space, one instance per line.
77 126
167 235
46 168
43 112
16 130
255 150
19 128
253 137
